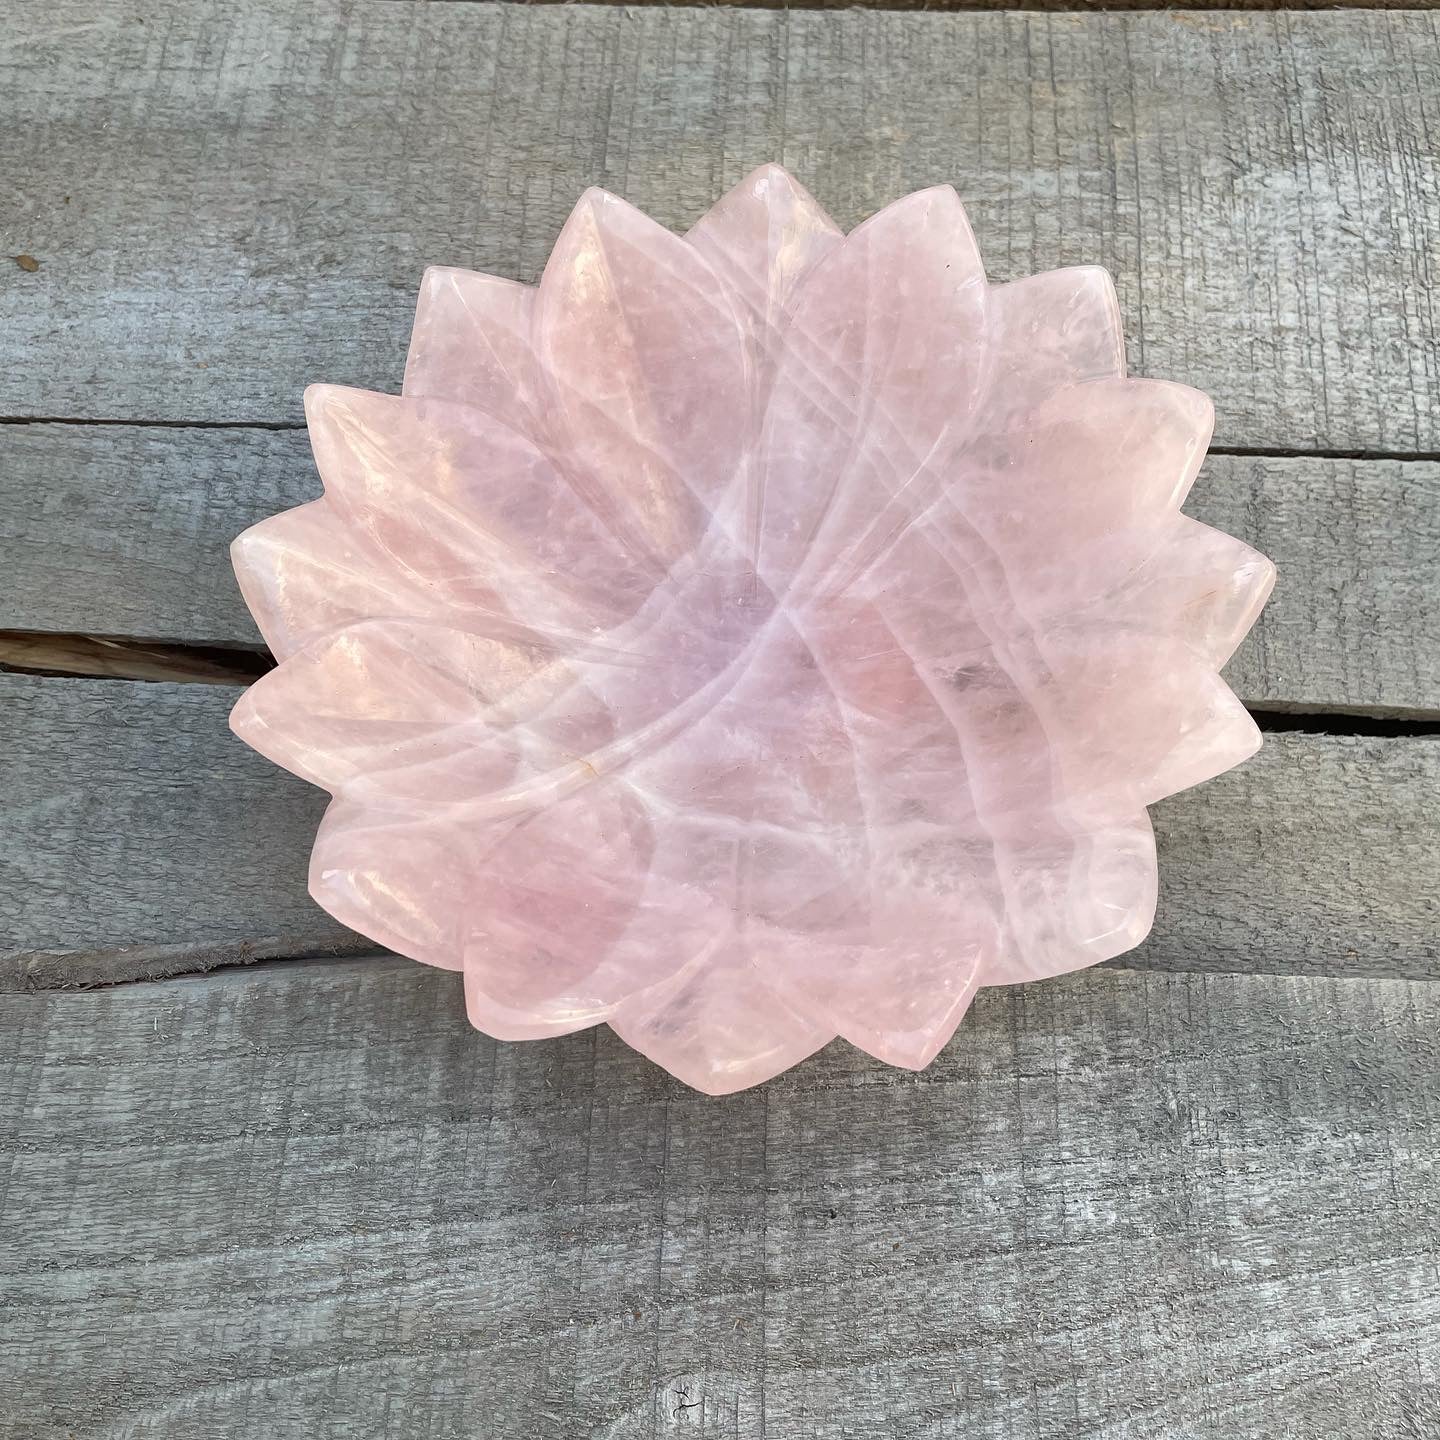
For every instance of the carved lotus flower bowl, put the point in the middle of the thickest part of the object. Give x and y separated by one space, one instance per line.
750 638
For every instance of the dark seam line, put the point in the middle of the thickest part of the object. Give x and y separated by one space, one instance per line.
323 954
84 655
1333 722
368 953
249 664
1279 452
153 424
1244 452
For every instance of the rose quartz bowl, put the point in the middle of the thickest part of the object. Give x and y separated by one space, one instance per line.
750 638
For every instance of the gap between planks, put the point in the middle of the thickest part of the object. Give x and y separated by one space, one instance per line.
241 962
147 840
58 656
1242 452
73 656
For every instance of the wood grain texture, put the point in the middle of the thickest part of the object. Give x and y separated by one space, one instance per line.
144 839
227 202
309 1202
1081 6
141 838
124 531
1354 623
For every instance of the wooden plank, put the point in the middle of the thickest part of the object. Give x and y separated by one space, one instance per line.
123 531
1354 623
309 1200
226 202
144 839
1059 5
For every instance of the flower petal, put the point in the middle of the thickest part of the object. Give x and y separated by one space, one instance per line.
892 960
717 1026
504 1022
1133 717
648 375
469 509
472 344
1048 331
762 238
877 380
414 713
390 877
1073 896
304 572
1202 585
521 906
1086 464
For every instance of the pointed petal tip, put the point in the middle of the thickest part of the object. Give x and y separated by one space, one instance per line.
721 1080
599 211
252 562
944 197
243 720
1228 737
1104 282
1196 403
501 1022
1250 738
598 202
1099 273
1256 578
252 714
765 181
251 544
436 284
441 275
318 398
327 404
244 547
935 207
438 278
912 1051
706 1068
253 570
336 411
770 173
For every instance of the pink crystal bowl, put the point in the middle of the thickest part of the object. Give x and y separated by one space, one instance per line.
750 638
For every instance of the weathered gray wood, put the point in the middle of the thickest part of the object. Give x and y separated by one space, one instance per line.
309 1202
143 839
1354 623
1063 5
229 201
123 531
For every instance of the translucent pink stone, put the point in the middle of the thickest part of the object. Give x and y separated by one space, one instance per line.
751 638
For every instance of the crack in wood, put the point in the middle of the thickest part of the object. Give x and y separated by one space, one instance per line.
1242 452
100 657
96 657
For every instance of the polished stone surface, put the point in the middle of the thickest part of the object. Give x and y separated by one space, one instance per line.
751 637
